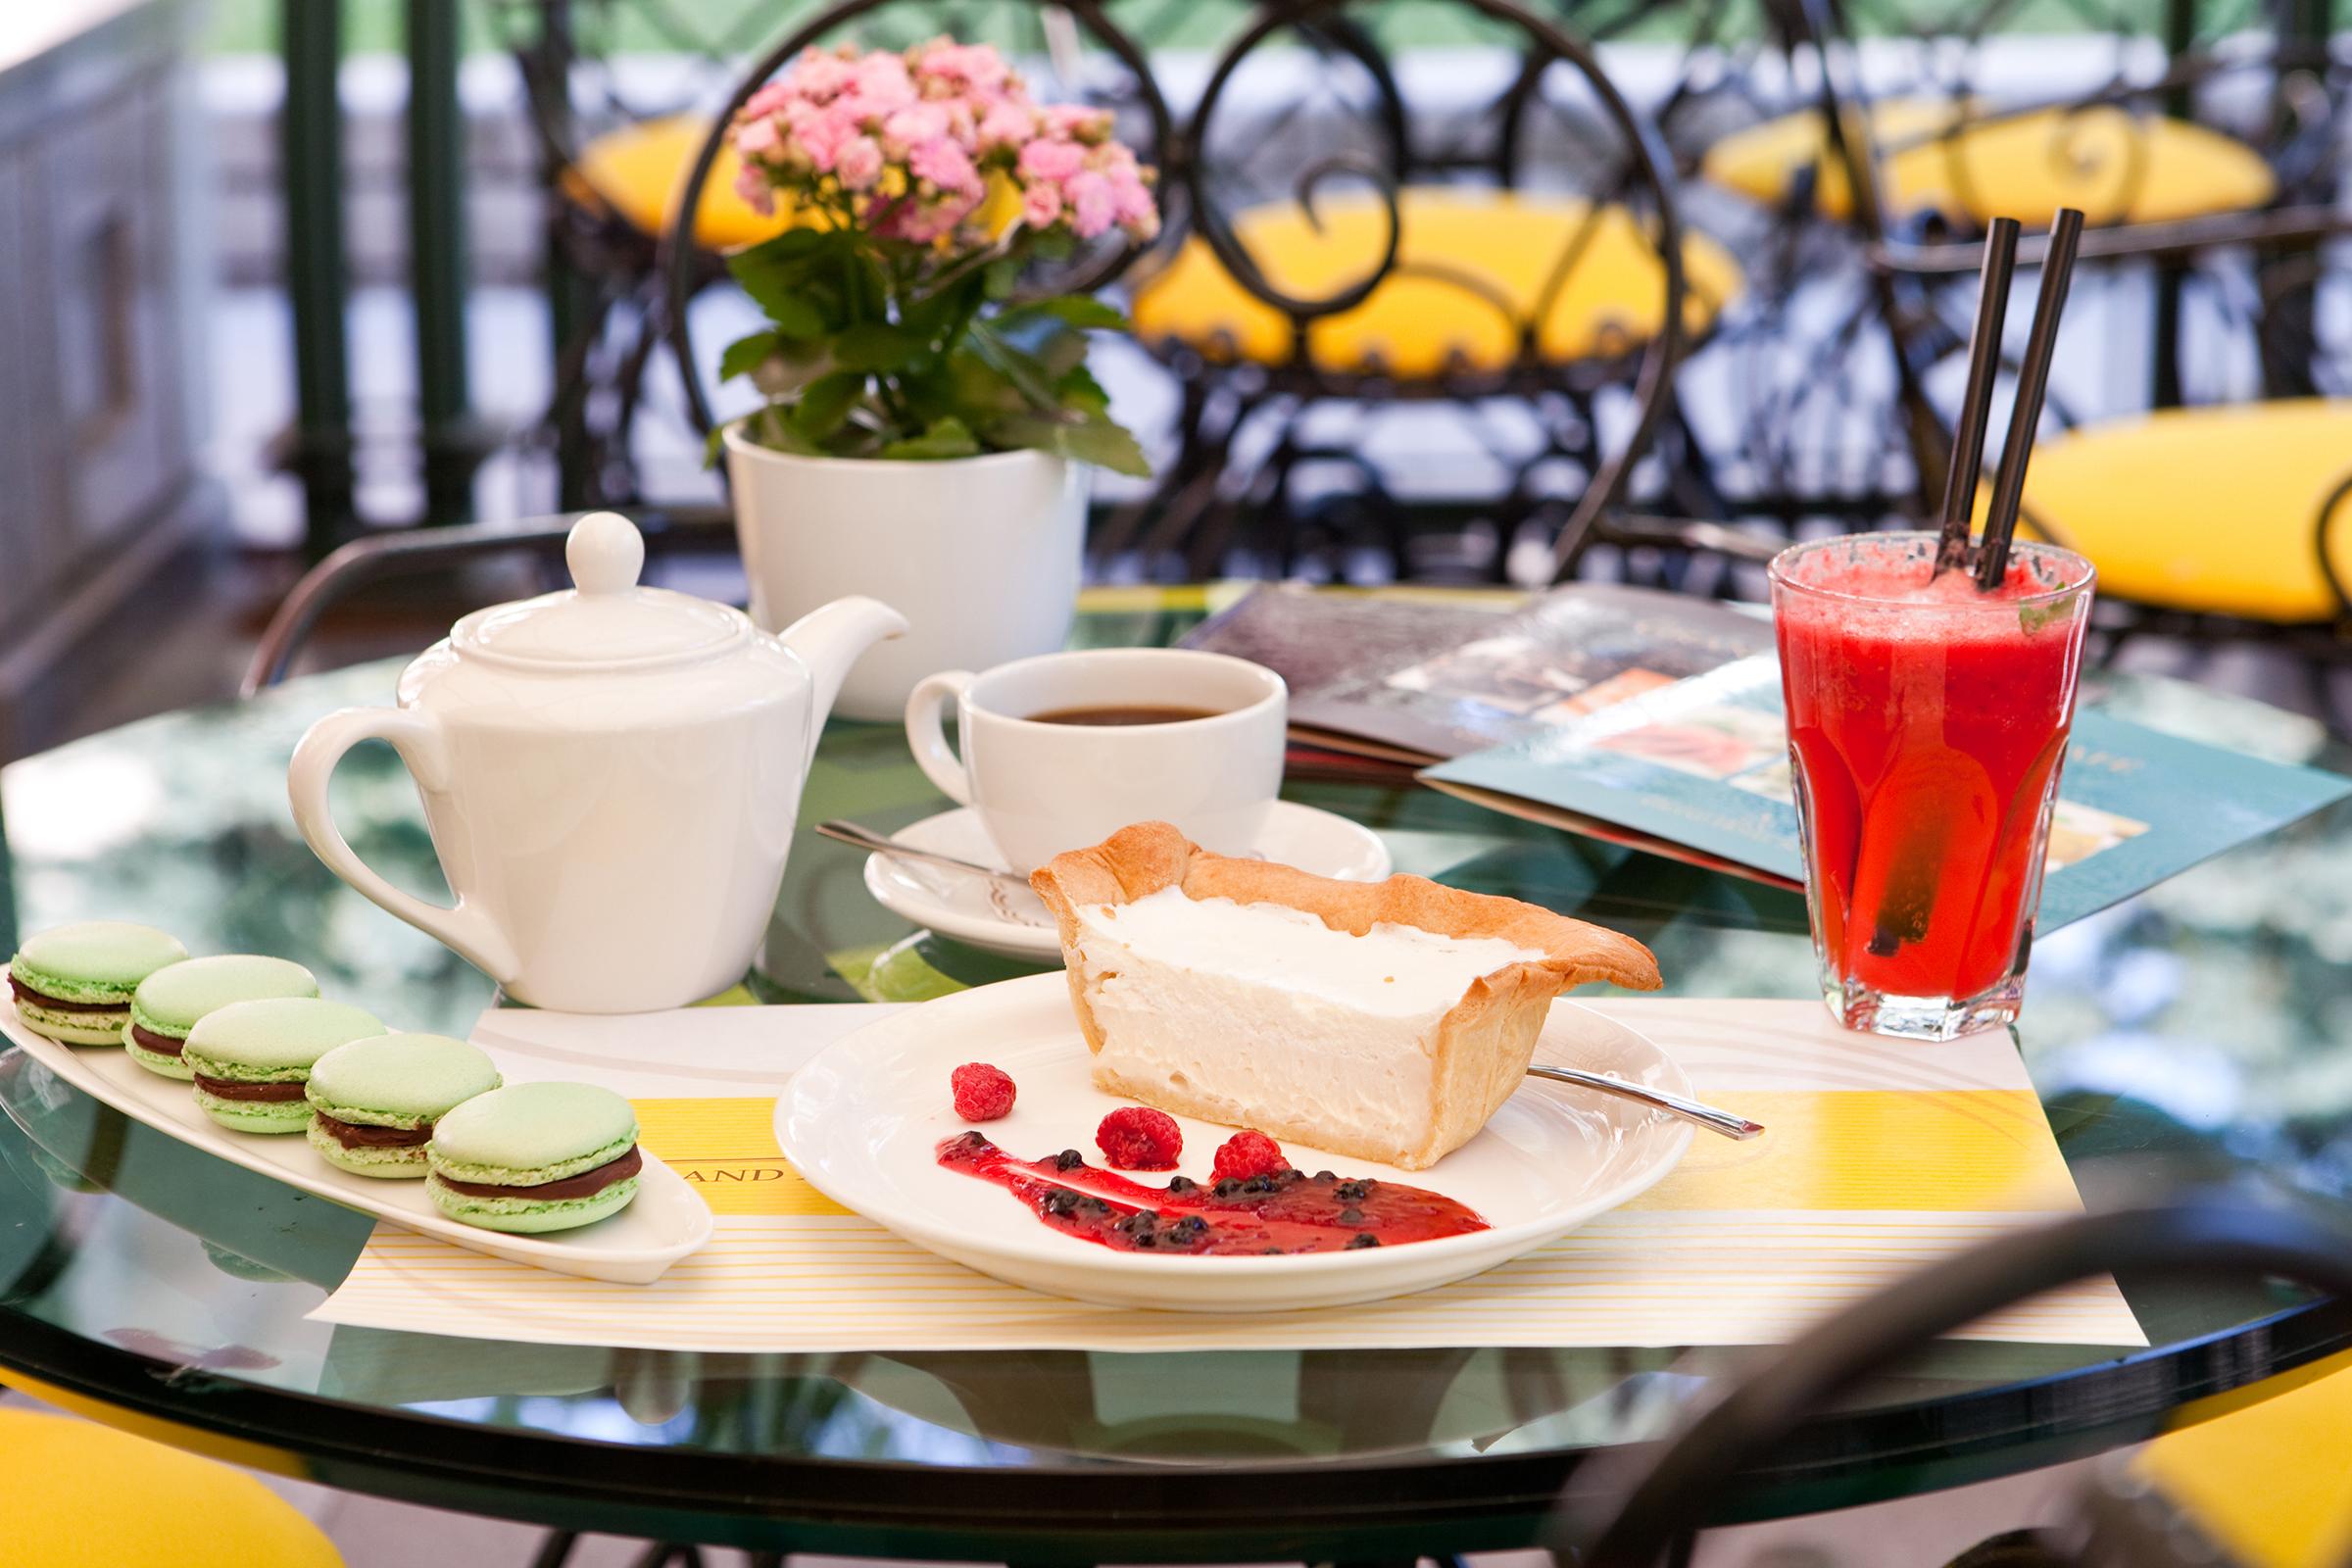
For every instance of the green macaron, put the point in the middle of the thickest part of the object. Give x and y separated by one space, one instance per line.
374 1102
75 983
252 1059
172 1002
535 1157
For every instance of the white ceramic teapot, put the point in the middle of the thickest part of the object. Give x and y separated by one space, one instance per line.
612 776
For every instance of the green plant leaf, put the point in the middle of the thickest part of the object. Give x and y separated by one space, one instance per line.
746 355
876 346
976 391
770 428
1030 375
781 280
941 438
1081 393
1087 440
826 403
1081 311
1002 276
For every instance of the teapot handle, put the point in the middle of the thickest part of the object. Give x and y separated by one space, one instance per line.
423 750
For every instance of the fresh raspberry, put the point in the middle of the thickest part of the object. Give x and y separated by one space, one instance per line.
1138 1138
982 1093
1248 1155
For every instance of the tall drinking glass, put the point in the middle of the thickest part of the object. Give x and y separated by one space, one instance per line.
1927 726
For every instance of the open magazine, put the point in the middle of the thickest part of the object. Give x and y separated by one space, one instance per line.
1698 770
1416 681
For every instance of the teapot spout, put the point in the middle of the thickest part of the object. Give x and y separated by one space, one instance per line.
828 640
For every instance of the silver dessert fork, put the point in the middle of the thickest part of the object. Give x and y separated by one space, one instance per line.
1707 1116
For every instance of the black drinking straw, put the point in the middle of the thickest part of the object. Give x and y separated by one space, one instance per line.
1976 402
2033 381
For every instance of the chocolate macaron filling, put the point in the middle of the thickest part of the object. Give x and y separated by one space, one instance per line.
587 1183
41 998
160 1045
235 1089
359 1135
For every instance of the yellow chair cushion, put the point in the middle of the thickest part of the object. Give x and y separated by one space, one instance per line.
2269 1481
2208 509
73 1495
639 171
1418 321
2114 167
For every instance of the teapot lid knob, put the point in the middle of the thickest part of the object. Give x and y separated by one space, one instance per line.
605 553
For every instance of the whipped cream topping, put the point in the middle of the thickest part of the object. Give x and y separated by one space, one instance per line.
1250 1013
1397 972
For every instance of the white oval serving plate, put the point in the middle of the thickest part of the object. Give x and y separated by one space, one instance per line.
863 1120
1015 922
668 1220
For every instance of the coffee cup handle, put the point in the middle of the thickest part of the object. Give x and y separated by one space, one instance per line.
927 732
423 752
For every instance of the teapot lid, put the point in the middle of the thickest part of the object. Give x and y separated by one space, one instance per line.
605 620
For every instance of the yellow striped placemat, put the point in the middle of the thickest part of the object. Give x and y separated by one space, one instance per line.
1881 1158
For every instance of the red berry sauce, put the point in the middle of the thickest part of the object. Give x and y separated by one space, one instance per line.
1287 1211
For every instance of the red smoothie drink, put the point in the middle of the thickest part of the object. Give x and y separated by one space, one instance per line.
1927 725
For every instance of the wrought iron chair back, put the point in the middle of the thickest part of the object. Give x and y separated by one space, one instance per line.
1924 126
1209 493
1072 36
1657 1497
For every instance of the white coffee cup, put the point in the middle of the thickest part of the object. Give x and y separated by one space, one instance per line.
1041 788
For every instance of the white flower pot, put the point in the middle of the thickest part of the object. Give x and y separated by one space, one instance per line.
981 554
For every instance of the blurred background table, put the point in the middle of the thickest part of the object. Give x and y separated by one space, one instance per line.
2196 1029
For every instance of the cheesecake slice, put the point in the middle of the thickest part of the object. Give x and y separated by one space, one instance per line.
1383 1022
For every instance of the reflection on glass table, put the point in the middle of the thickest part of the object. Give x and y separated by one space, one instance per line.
2195 1028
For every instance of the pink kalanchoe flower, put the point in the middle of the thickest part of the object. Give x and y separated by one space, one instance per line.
1051 159
756 136
945 164
977 64
860 164
1041 206
825 135
819 75
1008 124
752 186
769 99
1094 205
960 123
912 126
1079 123
882 79
1138 214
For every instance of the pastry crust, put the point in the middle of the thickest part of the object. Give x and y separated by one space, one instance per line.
1482 1045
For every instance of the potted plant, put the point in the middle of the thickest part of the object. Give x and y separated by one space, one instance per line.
925 433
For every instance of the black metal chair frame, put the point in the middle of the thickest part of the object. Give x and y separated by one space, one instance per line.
414 551
1904 266
1902 293
1198 496
1633 1518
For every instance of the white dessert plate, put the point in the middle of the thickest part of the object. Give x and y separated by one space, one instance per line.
1012 921
863 1120
667 1221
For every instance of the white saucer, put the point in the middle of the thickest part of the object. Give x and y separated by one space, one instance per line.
1012 921
863 1120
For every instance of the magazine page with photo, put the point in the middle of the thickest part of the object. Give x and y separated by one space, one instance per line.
1424 681
1698 770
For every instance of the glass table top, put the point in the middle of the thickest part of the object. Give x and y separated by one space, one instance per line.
2203 1027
